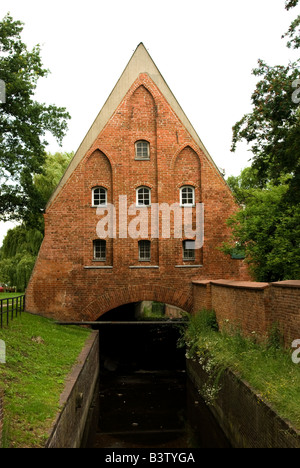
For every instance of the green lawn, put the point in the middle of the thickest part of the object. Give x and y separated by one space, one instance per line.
39 356
6 295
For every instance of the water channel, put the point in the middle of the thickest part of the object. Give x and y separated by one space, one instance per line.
144 398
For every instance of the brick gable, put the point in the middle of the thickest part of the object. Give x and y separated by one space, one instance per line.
67 283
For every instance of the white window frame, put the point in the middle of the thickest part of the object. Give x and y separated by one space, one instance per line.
103 244
186 252
182 203
143 187
93 196
141 257
142 156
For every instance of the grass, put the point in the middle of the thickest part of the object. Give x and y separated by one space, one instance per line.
7 295
268 368
39 356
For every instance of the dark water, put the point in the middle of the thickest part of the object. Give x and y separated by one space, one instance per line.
144 398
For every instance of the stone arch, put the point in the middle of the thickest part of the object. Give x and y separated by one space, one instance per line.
98 172
187 166
126 295
142 112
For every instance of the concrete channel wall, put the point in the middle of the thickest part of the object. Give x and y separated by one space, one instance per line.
75 401
1 417
246 420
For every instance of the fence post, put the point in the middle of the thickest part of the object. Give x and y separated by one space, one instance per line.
17 305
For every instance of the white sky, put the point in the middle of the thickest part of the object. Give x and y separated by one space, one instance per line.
204 49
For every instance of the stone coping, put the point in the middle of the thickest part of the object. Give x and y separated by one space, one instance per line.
248 284
233 284
287 284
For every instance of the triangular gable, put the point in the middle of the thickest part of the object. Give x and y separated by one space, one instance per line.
140 62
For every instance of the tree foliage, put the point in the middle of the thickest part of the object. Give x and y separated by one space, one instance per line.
53 169
267 229
18 255
268 225
272 129
22 243
24 124
294 30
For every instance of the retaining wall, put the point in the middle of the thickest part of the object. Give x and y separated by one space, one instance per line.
252 307
1 417
246 420
75 401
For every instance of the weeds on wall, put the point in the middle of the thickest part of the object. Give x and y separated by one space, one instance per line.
267 366
202 324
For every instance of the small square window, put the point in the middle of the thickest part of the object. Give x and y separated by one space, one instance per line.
189 250
142 150
100 250
144 250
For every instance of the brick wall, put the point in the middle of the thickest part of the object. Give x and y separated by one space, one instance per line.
67 283
286 309
252 307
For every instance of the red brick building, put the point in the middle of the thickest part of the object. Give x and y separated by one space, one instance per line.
140 155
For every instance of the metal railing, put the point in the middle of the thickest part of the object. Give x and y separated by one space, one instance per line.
10 308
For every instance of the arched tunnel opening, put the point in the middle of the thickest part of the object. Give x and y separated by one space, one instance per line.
144 398
135 342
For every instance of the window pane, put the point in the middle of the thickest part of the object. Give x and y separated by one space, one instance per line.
143 196
187 195
99 250
144 250
99 196
142 150
189 250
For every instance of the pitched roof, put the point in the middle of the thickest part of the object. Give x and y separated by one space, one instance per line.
140 62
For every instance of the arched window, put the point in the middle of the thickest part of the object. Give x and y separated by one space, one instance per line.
187 196
144 250
99 250
99 196
188 250
143 196
142 150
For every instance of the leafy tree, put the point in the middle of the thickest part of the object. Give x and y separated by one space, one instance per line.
22 243
53 169
24 123
18 255
273 127
267 227
294 32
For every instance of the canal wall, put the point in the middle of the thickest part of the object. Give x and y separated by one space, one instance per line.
1 417
68 429
252 306
247 421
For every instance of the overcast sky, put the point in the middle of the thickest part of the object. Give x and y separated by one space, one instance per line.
205 50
